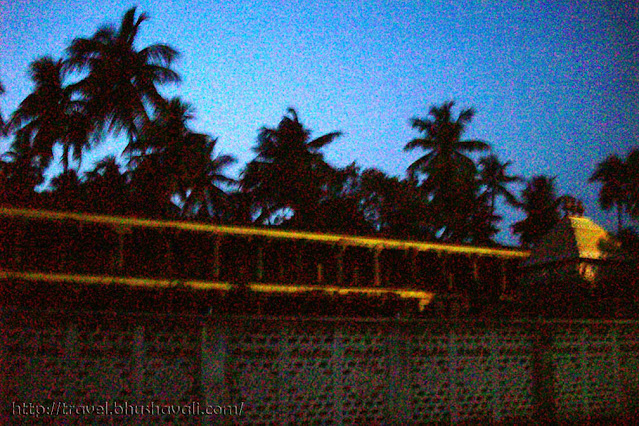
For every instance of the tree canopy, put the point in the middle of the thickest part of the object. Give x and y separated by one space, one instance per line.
106 85
541 205
619 179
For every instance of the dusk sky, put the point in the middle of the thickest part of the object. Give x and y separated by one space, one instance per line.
555 85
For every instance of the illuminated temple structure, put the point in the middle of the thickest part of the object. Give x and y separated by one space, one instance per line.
576 248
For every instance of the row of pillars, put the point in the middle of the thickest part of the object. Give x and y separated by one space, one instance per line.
122 232
377 266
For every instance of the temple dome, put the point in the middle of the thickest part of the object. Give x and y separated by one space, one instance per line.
573 238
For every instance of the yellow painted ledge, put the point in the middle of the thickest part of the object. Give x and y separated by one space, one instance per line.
424 296
106 279
346 240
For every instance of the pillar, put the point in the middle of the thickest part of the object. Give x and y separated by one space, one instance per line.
260 262
475 268
217 240
414 274
217 382
118 263
503 276
340 264
169 258
448 274
17 245
280 264
299 265
543 391
377 270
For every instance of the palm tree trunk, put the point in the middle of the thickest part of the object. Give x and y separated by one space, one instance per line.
492 203
619 218
65 158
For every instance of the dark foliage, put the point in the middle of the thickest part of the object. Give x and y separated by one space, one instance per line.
541 205
447 176
288 176
619 179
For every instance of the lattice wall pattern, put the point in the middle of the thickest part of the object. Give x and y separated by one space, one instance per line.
315 371
91 361
588 368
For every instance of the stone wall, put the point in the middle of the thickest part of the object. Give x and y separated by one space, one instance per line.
340 371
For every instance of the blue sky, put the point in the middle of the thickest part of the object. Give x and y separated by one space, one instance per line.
555 84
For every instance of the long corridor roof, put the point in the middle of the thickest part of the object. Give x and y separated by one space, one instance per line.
346 240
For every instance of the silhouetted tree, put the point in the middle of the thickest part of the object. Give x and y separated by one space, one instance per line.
541 205
396 207
240 208
67 192
443 142
481 228
289 171
632 165
151 188
20 173
181 160
107 188
121 81
340 209
207 180
449 173
612 173
50 115
494 179
629 240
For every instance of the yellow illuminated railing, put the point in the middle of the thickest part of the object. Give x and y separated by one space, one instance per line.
371 242
424 297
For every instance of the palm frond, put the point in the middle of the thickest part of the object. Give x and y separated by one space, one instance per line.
424 143
421 164
225 160
323 140
293 113
473 145
160 54
420 124
466 116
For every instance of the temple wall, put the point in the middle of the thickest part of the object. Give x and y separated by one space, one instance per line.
340 371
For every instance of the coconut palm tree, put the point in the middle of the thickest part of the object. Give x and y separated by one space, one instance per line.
612 173
121 82
395 207
239 209
340 209
493 177
207 181
181 159
165 133
151 188
541 205
289 170
50 116
450 176
67 192
442 140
